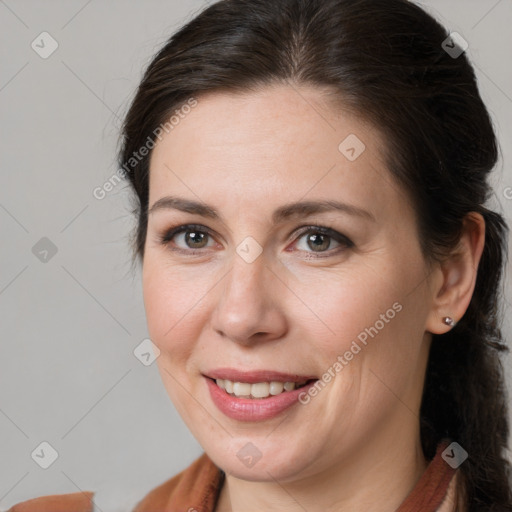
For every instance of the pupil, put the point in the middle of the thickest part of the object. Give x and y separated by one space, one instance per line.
192 235
315 238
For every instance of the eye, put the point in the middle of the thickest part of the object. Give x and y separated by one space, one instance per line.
192 238
320 239
187 238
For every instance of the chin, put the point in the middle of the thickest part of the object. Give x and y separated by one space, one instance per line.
258 459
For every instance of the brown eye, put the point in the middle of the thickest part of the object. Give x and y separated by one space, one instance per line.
318 241
195 239
322 240
187 238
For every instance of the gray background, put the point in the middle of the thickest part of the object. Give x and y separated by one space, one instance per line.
69 325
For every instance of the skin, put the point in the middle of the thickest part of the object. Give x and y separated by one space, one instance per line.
297 307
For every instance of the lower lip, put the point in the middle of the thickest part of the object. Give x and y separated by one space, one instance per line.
254 409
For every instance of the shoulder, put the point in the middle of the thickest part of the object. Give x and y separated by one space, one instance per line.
198 483
73 502
452 500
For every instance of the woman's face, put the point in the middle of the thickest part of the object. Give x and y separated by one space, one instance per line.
265 292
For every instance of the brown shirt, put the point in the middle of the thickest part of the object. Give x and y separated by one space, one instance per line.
196 489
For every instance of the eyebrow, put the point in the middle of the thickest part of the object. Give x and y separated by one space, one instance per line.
287 211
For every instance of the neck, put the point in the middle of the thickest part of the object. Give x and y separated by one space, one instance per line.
357 483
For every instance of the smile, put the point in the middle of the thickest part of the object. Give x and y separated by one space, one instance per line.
258 389
255 396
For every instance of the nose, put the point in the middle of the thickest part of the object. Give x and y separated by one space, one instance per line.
249 308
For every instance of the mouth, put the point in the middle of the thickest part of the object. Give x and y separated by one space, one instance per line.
255 396
258 390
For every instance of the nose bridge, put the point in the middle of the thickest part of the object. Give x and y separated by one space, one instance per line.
245 306
248 267
243 290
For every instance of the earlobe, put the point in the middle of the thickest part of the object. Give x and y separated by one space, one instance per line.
452 295
448 320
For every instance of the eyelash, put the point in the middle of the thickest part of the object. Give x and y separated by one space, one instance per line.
166 238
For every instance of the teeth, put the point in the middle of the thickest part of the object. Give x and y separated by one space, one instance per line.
276 388
242 389
289 386
258 389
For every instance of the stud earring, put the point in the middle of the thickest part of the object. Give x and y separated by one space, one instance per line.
449 321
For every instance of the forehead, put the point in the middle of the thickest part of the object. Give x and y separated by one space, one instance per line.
276 121
278 144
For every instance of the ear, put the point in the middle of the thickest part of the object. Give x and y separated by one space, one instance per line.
453 281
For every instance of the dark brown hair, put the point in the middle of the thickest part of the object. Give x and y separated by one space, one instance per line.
386 61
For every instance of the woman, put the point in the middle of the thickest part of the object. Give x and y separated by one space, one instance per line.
320 272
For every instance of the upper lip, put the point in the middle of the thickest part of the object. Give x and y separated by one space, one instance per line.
254 376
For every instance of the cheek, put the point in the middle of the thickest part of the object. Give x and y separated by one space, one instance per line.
374 331
353 305
374 356
172 301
